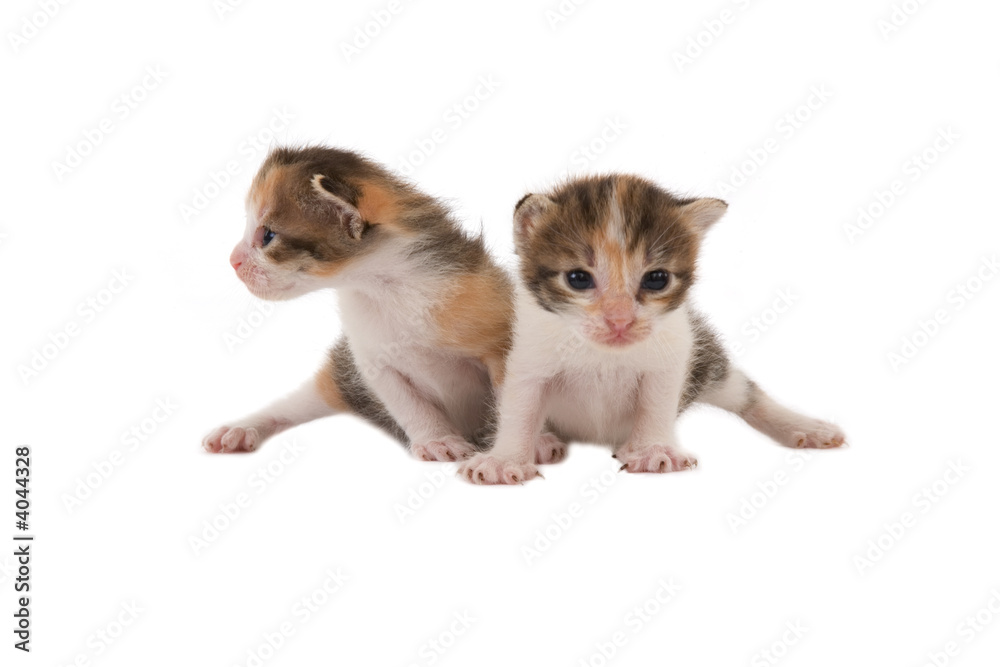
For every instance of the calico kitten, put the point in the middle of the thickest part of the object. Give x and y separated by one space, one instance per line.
425 311
606 348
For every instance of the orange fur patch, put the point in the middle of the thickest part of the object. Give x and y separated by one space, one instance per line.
266 190
379 206
329 270
475 319
328 389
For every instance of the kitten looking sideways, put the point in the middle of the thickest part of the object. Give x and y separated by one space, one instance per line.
606 348
425 310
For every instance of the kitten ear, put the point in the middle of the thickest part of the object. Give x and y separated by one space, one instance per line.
349 216
527 213
703 213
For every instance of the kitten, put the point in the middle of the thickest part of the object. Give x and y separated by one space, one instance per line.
606 348
425 310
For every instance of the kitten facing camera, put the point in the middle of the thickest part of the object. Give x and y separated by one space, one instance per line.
425 310
606 348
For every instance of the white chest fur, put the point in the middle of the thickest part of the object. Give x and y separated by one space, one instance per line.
591 390
391 326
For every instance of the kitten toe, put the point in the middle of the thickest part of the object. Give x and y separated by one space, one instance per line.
550 449
657 459
488 469
213 441
240 439
448 448
817 435
226 439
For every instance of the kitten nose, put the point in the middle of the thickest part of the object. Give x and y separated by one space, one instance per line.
619 315
236 259
619 323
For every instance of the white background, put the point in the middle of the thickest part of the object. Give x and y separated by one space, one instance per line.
607 78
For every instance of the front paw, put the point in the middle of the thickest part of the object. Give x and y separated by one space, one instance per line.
550 449
448 448
488 469
816 434
227 439
658 458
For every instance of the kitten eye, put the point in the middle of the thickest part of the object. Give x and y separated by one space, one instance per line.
655 280
268 236
580 279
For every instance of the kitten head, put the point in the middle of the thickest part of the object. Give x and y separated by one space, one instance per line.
310 214
610 254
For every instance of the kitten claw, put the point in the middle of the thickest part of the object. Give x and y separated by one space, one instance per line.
228 439
448 448
657 459
550 449
817 434
488 469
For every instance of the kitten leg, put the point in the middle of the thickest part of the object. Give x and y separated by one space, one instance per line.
318 397
338 387
740 395
512 458
550 448
652 446
432 437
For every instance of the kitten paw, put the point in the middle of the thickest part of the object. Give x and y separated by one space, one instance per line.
226 439
816 434
550 449
656 459
488 469
448 448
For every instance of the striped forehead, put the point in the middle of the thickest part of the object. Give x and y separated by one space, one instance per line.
612 262
617 257
265 192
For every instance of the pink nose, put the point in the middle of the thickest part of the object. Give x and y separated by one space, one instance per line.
619 324
236 259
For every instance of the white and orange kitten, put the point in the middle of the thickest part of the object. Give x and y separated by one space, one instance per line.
425 310
606 348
